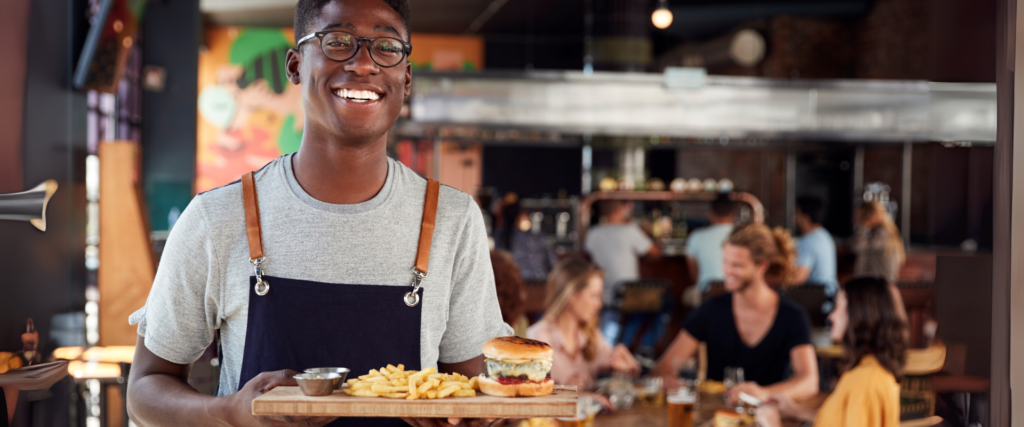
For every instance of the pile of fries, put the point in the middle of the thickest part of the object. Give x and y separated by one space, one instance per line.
397 383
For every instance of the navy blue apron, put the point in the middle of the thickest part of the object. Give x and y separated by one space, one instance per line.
301 324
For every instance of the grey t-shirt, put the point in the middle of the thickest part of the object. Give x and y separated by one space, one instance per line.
202 283
617 249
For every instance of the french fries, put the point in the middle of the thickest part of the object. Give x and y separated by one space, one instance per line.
396 383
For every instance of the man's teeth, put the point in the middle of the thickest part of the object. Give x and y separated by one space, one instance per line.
357 95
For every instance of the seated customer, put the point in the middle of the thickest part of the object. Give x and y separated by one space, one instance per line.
616 246
816 251
867 395
752 326
569 325
704 248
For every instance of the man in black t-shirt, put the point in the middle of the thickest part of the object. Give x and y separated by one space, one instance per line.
752 327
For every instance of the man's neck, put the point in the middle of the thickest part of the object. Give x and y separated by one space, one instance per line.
809 228
616 219
341 174
757 296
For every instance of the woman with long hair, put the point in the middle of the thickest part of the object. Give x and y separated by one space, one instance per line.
867 395
877 243
570 326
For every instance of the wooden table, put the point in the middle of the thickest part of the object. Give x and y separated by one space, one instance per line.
640 415
648 416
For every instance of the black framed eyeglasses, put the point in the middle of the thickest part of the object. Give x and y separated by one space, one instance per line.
341 46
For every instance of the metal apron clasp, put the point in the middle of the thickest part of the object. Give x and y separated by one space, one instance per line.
261 287
413 297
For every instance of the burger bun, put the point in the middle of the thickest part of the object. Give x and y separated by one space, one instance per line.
526 389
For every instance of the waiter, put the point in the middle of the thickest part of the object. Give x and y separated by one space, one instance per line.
333 256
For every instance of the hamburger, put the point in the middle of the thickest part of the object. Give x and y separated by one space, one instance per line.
728 418
517 367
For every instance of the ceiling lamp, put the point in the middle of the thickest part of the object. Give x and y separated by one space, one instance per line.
662 17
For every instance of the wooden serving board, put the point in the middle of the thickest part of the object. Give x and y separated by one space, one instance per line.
289 401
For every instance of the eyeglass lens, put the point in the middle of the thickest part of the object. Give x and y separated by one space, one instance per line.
341 46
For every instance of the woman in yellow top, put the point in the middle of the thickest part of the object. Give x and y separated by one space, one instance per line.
865 319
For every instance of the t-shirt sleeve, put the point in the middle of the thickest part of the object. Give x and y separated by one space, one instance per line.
182 310
473 312
805 253
699 322
692 246
638 241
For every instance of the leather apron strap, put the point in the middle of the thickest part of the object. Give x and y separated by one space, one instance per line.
252 216
427 225
254 234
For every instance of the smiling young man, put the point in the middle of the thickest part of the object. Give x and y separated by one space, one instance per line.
333 256
752 327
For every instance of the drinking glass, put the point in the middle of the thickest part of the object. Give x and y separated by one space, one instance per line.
621 392
653 392
681 408
733 377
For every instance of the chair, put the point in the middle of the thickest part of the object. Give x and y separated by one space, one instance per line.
643 299
917 393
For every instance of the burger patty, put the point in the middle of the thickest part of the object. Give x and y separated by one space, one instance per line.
531 370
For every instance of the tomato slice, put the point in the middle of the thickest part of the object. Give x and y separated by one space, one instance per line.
512 380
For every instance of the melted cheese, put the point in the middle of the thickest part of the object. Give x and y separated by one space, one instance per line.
534 370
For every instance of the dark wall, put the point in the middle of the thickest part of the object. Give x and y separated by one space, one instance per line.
44 273
533 171
13 44
827 175
171 40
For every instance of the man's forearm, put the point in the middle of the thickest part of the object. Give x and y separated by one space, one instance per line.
165 400
797 388
469 368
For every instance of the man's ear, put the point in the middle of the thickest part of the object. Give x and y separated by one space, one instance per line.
408 79
291 65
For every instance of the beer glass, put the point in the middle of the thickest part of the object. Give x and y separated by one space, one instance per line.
681 408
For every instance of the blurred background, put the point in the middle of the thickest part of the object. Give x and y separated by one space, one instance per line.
134 106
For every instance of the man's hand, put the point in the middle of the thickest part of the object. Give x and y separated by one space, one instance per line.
241 402
623 361
768 416
749 388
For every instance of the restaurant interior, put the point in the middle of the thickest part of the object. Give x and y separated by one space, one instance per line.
550 113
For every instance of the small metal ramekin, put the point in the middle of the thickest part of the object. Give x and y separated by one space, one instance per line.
318 384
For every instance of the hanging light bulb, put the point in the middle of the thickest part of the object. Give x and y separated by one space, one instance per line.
662 17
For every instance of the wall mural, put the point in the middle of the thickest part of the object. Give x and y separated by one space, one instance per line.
250 114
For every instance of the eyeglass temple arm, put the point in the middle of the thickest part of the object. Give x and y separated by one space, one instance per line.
304 39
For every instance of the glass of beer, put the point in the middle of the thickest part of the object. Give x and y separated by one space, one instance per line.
681 408
652 392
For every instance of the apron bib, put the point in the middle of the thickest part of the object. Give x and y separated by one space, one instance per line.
301 324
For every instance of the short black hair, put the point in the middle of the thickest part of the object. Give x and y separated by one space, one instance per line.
723 206
306 11
813 207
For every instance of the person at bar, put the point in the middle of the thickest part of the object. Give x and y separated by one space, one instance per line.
752 327
569 325
334 256
704 248
532 253
816 251
616 246
877 243
866 321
